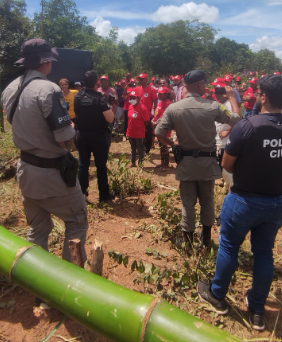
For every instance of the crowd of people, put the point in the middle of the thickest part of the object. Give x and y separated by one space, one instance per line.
200 122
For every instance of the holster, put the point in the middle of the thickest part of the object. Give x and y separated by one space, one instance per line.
178 153
68 166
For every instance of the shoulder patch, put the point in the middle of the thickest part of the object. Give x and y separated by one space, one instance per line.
224 110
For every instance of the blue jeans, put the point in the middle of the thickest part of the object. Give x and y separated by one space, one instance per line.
262 216
247 113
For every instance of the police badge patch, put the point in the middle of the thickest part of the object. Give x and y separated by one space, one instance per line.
224 110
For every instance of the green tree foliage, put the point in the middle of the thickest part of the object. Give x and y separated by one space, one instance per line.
63 26
14 29
265 60
107 59
174 48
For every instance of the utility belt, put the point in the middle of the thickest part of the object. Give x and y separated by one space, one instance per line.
179 153
197 153
68 165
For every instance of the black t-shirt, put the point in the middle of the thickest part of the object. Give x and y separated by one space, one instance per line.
89 106
257 144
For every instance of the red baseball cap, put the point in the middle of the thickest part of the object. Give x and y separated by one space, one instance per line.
104 77
251 73
163 90
122 81
132 80
218 80
118 83
142 76
134 93
220 85
253 80
153 78
128 74
276 73
177 77
227 78
238 79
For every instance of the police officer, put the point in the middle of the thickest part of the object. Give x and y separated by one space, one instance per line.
193 119
254 203
43 132
93 115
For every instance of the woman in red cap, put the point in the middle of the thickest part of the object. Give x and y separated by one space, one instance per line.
138 119
164 102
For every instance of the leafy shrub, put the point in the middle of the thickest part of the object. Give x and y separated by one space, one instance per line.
125 181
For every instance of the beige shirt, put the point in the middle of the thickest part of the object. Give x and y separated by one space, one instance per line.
32 134
193 119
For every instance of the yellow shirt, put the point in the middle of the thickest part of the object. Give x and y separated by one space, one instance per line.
70 99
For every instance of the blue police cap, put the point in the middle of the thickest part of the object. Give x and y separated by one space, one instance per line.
195 76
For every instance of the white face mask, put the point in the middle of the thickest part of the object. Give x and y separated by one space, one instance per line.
133 102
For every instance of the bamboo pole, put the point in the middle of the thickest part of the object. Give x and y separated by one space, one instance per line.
110 310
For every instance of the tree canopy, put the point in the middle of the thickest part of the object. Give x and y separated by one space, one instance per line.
173 48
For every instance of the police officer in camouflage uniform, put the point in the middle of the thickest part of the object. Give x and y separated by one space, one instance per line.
193 119
43 132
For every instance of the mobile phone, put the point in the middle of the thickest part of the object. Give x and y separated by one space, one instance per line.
220 90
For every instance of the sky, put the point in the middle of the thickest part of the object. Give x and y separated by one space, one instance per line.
256 23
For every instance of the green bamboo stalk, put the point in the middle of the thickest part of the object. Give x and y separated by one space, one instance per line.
117 313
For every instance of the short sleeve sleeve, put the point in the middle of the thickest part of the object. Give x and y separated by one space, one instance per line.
104 104
239 135
154 94
225 116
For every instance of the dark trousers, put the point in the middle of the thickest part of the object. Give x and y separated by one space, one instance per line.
148 137
125 122
98 145
136 143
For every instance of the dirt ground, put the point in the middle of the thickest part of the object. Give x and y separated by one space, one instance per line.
121 226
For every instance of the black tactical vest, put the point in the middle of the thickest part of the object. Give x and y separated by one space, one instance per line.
260 171
88 112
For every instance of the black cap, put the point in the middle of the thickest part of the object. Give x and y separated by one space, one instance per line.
35 52
194 76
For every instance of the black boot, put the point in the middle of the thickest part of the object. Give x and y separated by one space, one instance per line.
188 238
206 236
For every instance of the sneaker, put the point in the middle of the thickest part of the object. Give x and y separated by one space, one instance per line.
204 292
256 319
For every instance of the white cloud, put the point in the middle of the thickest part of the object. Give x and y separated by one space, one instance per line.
186 11
128 34
265 42
273 43
259 17
274 3
116 14
103 28
164 14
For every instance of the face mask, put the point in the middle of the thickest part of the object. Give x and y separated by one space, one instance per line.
133 102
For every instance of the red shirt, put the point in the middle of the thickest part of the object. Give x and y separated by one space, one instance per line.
250 103
162 106
137 115
148 96
126 102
